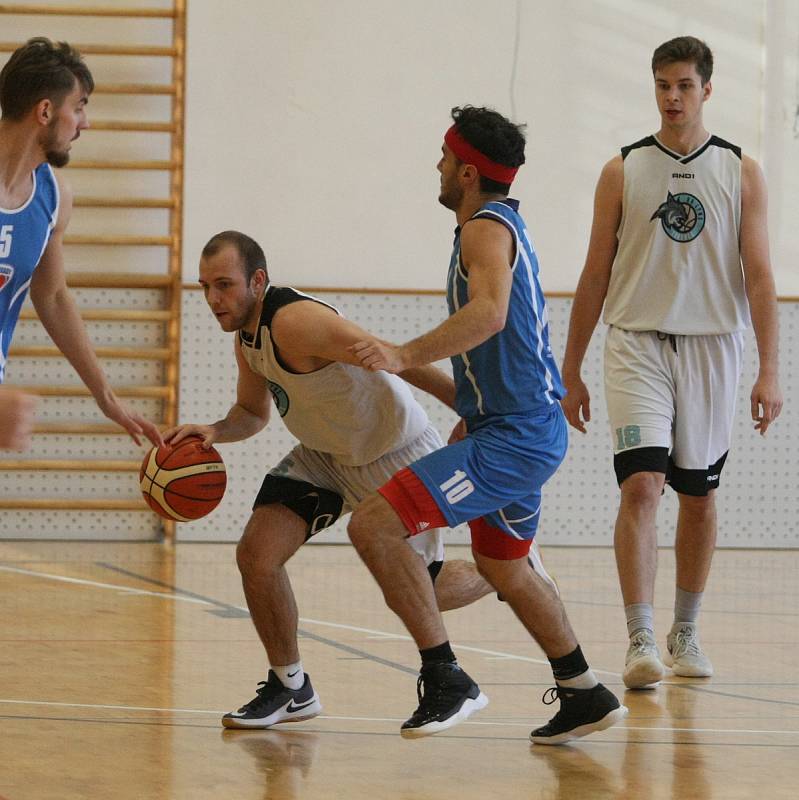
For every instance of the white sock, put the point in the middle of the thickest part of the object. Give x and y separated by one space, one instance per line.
291 675
585 680
686 606
639 615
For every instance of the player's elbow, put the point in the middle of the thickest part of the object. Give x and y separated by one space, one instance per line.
495 322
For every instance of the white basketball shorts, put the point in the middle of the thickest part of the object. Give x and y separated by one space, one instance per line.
671 403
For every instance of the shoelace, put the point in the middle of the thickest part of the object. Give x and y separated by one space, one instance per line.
685 642
264 688
640 645
551 695
433 698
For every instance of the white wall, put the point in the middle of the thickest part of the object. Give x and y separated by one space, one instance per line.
316 126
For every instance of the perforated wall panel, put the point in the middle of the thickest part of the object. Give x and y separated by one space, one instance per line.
757 500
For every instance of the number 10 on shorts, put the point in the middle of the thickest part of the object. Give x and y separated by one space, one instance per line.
457 487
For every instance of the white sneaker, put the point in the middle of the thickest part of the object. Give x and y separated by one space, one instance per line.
685 656
534 557
642 666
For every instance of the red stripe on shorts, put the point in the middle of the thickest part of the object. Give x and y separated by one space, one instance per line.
492 542
415 506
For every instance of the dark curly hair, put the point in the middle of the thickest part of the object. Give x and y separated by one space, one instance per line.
493 135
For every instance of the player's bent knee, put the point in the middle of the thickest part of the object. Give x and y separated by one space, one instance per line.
373 521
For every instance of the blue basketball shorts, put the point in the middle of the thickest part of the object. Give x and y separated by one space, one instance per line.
497 471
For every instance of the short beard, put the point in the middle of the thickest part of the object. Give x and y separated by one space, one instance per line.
451 199
56 158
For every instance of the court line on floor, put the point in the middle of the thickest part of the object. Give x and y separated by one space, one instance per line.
98 585
344 626
350 718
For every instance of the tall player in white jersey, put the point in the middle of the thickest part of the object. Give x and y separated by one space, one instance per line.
679 257
355 429
44 89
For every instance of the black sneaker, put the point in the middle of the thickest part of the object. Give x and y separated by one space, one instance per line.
582 711
275 703
450 696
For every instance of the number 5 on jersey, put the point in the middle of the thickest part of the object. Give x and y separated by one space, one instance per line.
5 240
457 487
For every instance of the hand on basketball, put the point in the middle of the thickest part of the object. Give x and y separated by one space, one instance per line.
375 355
766 401
16 411
577 399
458 432
175 435
135 424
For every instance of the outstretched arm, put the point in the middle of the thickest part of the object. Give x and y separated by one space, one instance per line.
59 315
487 252
16 411
592 289
248 416
766 397
309 334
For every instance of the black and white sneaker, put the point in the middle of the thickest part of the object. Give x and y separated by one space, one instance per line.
450 696
275 703
582 711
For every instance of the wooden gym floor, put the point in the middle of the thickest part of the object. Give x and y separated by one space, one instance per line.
117 661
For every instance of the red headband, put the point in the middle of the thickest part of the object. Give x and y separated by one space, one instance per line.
471 155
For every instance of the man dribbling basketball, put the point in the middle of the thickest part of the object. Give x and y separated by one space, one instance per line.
355 430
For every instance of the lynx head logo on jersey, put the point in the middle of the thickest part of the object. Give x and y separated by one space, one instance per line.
280 397
682 216
6 274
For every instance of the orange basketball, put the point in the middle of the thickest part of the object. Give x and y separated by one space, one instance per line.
183 482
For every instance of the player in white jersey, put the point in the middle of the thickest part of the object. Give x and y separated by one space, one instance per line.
355 430
679 257
44 89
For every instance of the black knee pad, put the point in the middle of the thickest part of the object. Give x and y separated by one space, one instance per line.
640 459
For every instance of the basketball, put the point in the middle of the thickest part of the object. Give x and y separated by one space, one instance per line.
184 482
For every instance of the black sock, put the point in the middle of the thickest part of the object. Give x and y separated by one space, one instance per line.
440 654
569 666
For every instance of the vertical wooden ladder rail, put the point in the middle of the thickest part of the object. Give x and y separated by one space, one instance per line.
170 355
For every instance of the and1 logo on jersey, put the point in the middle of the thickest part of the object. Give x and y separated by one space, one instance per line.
6 274
280 397
682 216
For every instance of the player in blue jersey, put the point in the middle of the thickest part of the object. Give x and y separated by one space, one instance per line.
510 441
44 89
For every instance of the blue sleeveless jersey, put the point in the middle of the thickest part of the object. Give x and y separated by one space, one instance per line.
24 234
514 371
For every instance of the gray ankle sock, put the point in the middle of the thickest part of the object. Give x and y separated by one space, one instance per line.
639 615
686 605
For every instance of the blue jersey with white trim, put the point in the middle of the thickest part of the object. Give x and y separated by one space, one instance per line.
24 234
514 371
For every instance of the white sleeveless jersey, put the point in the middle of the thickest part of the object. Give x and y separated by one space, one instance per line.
678 264
354 415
